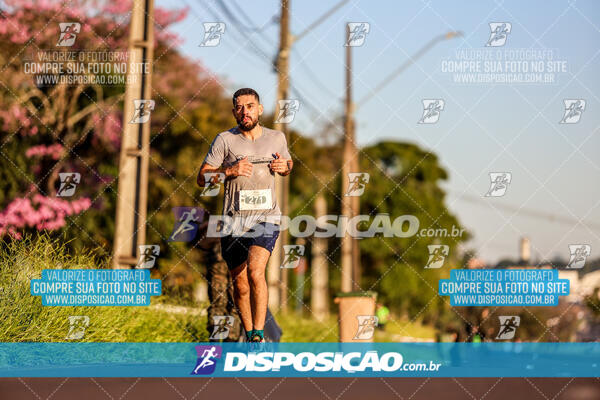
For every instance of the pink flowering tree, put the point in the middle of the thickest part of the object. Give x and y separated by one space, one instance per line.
49 129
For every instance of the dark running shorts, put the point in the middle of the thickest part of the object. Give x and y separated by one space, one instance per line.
235 248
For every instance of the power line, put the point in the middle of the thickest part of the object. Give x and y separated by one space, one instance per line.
318 113
235 19
530 212
319 20
428 46
261 53
218 17
312 75
296 38
315 78
250 31
274 19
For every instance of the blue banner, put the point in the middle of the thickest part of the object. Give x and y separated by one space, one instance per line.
96 287
300 360
503 287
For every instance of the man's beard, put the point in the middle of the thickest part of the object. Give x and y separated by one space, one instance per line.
247 126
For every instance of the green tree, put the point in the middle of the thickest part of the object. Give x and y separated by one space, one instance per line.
405 180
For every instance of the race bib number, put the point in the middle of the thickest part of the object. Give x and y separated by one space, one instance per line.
255 199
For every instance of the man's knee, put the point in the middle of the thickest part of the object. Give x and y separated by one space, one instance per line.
257 276
241 287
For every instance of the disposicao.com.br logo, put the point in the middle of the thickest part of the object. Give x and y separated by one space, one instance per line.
326 226
349 362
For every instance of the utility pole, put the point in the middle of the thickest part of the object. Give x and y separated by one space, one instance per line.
348 166
356 266
350 247
276 276
319 293
132 195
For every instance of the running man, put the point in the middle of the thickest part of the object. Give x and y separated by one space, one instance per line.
68 184
292 256
249 155
207 361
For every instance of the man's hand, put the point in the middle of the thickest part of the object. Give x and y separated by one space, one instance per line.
281 165
242 167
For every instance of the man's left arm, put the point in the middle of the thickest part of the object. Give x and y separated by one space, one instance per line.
283 163
283 166
290 165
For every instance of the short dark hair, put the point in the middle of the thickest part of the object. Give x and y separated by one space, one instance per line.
243 92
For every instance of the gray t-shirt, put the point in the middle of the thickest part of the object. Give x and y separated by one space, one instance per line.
251 197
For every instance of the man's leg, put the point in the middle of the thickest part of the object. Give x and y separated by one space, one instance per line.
241 294
257 262
220 293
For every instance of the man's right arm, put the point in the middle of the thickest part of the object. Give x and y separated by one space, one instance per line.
207 168
242 167
216 156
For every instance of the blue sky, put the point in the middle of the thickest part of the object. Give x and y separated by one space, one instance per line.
483 127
